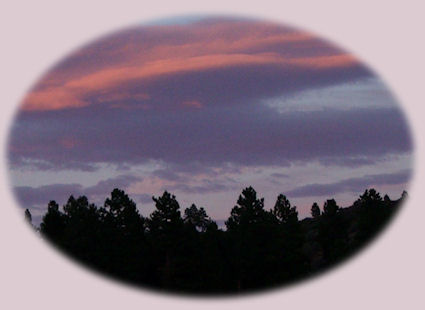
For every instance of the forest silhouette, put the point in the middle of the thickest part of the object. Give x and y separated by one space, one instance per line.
259 249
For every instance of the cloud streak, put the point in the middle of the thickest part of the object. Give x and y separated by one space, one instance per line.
354 185
142 56
30 197
213 138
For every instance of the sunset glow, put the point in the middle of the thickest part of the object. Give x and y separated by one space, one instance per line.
203 110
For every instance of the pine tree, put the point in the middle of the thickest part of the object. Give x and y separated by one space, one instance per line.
315 210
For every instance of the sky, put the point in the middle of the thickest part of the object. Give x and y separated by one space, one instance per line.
204 108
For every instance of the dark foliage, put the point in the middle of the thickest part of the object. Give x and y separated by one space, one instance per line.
260 248
28 216
315 210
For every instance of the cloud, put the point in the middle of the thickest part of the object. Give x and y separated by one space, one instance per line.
142 83
143 198
211 138
30 197
35 197
354 185
105 186
168 174
279 175
192 95
204 186
139 62
27 163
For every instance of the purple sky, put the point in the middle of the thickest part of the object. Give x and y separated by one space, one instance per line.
204 109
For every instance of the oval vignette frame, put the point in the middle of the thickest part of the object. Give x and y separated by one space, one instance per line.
69 100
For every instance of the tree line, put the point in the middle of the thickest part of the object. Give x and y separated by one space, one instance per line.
188 253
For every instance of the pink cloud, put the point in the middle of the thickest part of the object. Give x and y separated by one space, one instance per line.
143 54
72 93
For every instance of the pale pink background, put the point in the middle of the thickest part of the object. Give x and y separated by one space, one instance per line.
387 35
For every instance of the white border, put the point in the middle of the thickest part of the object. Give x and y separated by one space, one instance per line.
385 34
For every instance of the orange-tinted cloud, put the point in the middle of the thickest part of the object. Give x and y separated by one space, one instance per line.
140 55
335 61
